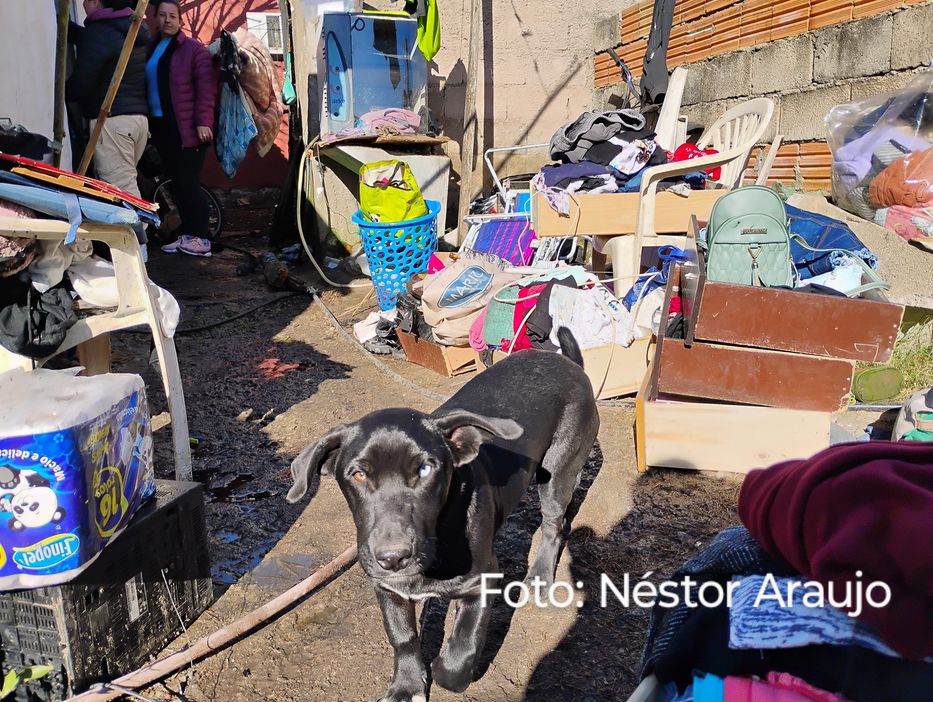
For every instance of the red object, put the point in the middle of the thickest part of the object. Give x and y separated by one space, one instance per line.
685 152
435 264
527 299
855 507
676 305
91 184
193 87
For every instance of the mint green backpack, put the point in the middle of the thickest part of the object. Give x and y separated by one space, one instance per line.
747 239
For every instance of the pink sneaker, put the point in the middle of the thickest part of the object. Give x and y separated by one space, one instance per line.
195 246
175 245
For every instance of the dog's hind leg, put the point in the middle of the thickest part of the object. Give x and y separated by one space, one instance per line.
409 683
555 490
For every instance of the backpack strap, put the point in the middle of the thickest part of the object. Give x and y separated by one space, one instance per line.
875 280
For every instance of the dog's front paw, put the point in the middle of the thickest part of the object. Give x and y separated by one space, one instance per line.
540 577
455 678
404 693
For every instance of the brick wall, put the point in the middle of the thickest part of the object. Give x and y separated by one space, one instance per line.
806 55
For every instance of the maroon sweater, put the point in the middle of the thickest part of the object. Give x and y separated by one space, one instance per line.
192 86
864 506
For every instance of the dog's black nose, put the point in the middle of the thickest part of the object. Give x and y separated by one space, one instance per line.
394 557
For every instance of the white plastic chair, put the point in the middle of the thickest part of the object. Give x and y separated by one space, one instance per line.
136 307
733 135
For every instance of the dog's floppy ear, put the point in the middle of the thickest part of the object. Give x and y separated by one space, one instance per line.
465 431
319 457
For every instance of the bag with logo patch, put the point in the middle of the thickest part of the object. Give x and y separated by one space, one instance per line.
453 298
747 240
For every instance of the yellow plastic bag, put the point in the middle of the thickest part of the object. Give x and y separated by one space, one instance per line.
390 193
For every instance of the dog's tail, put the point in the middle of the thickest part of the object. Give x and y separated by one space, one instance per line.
569 346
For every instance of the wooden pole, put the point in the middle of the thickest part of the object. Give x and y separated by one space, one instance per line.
470 118
61 66
124 59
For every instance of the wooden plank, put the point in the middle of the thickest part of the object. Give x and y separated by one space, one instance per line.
819 325
754 376
615 213
733 438
641 400
94 355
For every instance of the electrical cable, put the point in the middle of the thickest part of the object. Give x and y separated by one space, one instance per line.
301 233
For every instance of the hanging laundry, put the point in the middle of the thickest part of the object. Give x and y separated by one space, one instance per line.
260 89
429 26
235 130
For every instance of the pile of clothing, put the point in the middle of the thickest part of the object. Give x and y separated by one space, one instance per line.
608 152
849 517
883 159
391 121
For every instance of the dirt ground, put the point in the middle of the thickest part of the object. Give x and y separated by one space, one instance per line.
261 388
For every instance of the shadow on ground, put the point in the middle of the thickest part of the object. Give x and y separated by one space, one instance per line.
238 377
675 514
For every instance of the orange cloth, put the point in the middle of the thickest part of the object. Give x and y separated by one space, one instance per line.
908 181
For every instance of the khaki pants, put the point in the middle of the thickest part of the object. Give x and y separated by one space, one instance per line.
119 149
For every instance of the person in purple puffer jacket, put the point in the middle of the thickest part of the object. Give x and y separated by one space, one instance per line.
182 94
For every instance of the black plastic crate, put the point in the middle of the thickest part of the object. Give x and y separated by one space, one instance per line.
120 611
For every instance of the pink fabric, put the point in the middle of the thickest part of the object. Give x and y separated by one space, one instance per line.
527 300
787 681
751 690
904 221
435 264
477 342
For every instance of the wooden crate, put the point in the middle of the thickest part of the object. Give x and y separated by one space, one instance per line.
784 320
615 213
445 360
717 436
724 437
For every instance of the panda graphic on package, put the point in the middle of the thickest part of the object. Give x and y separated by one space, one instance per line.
28 497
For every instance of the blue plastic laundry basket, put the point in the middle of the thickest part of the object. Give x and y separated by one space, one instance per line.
397 250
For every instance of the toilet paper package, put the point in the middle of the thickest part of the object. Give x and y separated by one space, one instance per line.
75 465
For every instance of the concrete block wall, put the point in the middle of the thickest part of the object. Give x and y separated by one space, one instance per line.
806 75
535 69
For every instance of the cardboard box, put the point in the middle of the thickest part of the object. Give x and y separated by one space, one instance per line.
613 370
445 360
606 214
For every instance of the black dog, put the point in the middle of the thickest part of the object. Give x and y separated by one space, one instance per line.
429 492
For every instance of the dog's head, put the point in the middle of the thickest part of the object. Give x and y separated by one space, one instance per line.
395 467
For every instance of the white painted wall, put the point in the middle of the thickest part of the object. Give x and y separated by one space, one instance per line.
27 66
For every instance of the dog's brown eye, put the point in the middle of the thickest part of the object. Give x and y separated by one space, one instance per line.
359 476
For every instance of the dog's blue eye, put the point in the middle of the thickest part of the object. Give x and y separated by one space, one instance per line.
425 470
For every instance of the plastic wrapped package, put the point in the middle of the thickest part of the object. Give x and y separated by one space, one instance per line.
75 465
883 149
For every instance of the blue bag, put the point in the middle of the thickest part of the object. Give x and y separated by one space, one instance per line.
651 279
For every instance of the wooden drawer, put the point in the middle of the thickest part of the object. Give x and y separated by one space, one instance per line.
754 376
783 320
